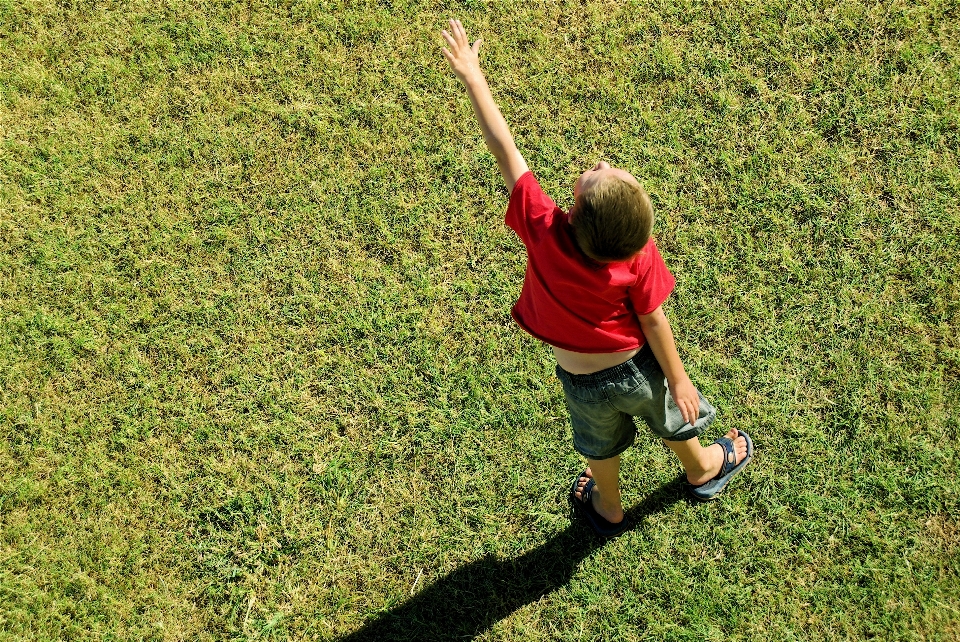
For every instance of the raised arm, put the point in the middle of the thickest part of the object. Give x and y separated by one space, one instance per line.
466 65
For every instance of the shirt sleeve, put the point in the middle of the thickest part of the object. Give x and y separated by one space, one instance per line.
654 281
530 210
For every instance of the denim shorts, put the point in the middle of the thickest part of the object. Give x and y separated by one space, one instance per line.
603 404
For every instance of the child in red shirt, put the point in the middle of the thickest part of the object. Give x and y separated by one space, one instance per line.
593 290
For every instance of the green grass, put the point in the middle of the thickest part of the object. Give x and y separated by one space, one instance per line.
258 378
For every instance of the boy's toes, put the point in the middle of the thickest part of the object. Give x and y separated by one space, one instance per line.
740 447
584 480
739 444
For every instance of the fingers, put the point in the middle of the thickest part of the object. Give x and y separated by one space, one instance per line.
690 411
457 37
454 33
450 41
476 45
460 33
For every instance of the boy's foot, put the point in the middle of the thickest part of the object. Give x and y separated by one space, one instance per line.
581 500
613 515
717 455
734 459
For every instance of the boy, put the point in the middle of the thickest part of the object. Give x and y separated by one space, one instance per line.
593 289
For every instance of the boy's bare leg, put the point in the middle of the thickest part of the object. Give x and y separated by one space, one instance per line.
606 493
703 464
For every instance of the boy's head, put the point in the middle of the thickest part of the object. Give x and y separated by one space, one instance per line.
612 217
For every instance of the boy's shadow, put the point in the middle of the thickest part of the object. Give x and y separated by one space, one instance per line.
474 597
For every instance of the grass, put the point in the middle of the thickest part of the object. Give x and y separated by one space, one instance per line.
259 378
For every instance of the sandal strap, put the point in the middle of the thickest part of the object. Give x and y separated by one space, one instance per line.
729 455
587 493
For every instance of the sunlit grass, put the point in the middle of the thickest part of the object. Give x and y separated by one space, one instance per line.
259 377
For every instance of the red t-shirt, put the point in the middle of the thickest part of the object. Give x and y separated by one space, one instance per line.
569 301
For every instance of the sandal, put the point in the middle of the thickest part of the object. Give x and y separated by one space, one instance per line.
583 506
709 491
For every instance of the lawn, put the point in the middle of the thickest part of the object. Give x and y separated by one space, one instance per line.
258 375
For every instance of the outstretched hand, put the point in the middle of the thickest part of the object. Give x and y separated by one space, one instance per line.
462 57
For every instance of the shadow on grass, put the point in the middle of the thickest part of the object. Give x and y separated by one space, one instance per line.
471 599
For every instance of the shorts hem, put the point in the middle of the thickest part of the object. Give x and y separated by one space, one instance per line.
695 431
619 451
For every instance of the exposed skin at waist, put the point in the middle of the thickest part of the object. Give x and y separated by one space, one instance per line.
583 363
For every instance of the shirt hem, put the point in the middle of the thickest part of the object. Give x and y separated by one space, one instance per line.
570 347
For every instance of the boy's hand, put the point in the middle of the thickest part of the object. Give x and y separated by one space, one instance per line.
461 56
688 401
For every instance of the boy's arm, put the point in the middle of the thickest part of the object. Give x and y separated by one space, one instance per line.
466 65
657 330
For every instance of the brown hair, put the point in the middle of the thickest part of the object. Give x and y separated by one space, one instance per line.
612 220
